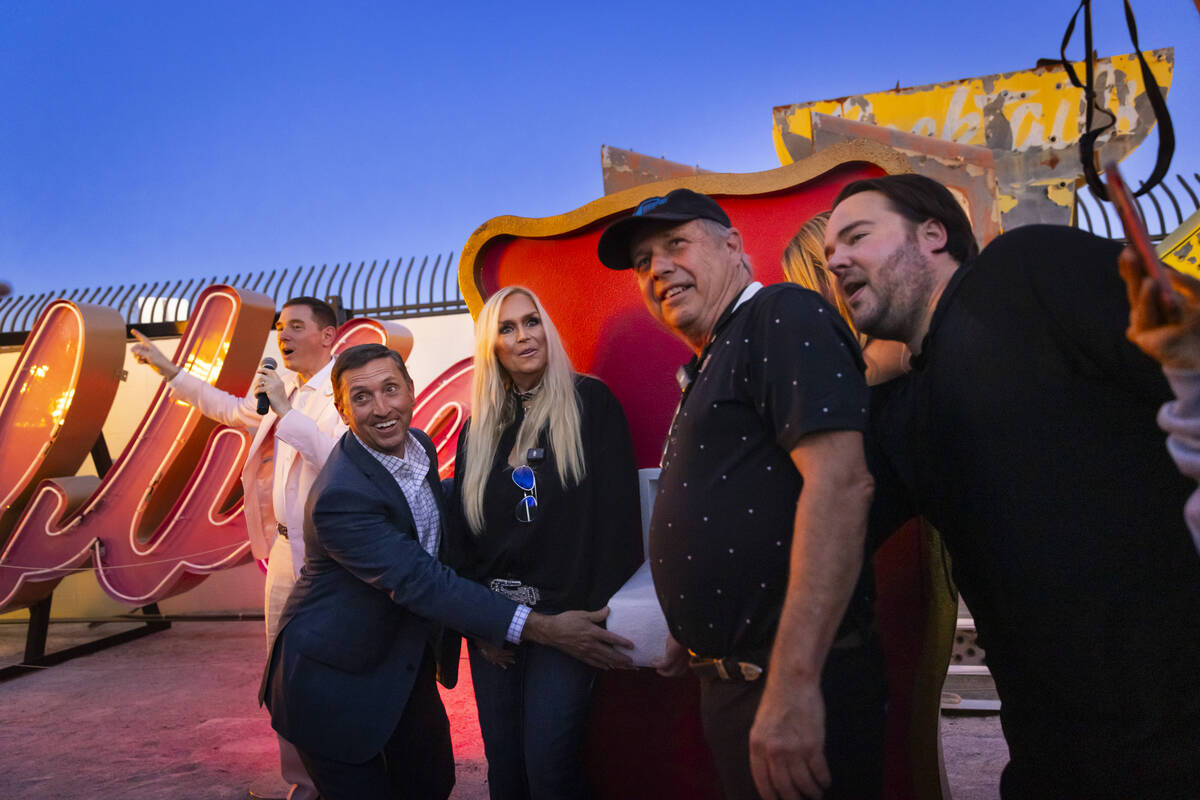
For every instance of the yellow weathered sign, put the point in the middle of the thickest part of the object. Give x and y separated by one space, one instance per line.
1030 120
1181 250
1018 111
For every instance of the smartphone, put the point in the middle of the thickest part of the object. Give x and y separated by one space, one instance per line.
1139 237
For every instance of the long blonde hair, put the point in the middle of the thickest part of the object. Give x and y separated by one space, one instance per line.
554 408
804 263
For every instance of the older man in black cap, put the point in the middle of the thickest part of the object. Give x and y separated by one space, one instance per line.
757 538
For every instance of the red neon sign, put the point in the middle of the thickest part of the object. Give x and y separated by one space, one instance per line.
442 409
73 351
161 519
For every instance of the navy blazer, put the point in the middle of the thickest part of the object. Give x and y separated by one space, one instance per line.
368 601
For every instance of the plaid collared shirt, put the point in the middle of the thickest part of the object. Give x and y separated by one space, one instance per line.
410 473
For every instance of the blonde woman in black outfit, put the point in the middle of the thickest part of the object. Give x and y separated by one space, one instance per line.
547 512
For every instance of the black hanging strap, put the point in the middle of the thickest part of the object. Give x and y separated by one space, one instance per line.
1166 131
1087 141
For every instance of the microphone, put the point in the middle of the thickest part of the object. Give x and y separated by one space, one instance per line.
264 405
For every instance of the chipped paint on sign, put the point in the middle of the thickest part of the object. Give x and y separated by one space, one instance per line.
1030 109
1181 250
967 170
1060 192
624 169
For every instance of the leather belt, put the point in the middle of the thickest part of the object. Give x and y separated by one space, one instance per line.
282 530
734 670
725 669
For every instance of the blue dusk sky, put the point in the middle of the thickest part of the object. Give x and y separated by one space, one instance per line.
147 140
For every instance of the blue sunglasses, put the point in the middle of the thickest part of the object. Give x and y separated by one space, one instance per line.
527 506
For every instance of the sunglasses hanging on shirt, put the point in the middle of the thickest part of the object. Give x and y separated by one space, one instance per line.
527 506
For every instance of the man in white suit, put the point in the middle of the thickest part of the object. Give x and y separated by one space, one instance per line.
291 443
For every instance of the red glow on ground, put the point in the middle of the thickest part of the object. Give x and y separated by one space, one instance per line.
464 721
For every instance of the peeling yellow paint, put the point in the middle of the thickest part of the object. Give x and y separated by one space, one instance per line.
1009 111
1060 192
1181 250
777 138
1006 203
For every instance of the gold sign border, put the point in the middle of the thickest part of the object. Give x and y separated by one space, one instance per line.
721 183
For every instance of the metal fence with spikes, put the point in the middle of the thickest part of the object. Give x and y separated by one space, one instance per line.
1163 209
420 288
425 286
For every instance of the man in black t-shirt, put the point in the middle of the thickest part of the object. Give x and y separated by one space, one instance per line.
1026 434
756 542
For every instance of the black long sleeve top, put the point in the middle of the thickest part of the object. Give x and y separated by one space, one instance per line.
586 539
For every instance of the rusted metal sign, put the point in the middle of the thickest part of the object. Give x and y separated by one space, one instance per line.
967 170
1031 120
624 169
1019 111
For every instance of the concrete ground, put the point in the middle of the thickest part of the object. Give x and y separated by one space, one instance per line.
174 715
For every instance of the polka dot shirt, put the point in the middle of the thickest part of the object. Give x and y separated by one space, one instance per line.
781 365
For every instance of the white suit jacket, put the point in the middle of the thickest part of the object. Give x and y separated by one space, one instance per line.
312 433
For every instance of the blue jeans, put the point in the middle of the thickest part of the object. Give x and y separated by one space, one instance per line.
533 716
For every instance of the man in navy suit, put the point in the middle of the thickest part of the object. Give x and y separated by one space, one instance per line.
350 680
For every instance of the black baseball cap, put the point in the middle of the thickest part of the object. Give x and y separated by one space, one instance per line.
680 205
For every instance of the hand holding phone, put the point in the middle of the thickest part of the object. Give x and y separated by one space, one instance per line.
1139 238
1170 337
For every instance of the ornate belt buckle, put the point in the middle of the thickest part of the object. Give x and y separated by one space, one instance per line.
516 591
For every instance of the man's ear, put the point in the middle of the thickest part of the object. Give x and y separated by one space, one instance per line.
328 334
931 235
734 243
337 403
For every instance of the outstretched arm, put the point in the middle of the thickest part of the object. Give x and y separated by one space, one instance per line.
357 532
787 740
145 352
579 635
228 409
